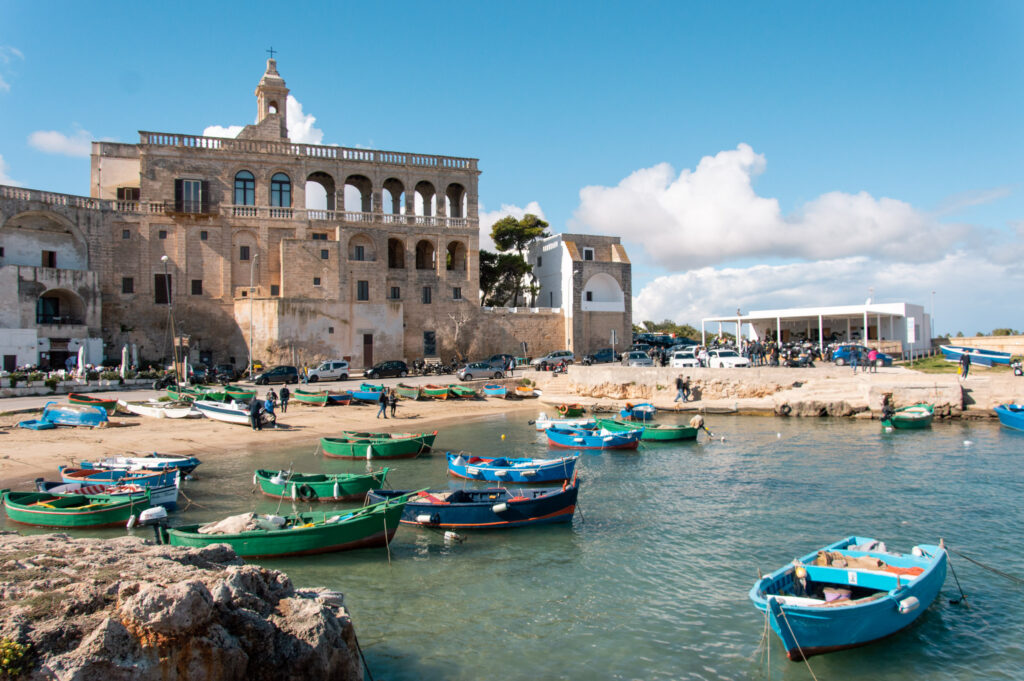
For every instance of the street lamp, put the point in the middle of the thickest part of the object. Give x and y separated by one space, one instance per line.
252 271
170 319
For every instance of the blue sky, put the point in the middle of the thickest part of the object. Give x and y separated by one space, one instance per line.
753 155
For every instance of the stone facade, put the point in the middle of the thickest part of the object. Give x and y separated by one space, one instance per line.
251 244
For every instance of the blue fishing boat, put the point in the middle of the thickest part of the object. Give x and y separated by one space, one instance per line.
638 412
848 594
342 397
57 414
166 496
154 461
366 395
980 356
516 470
584 438
495 390
1011 415
146 478
485 509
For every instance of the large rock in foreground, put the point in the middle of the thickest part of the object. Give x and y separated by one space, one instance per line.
107 610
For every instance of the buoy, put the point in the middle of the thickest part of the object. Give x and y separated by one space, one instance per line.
294 495
503 436
423 519
254 478
453 536
131 521
968 443
500 508
369 452
723 439
778 436
337 490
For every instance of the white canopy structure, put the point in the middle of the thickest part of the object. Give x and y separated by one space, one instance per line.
903 327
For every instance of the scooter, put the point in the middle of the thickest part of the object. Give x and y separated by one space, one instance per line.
1018 370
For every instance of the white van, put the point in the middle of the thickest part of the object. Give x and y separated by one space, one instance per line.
331 370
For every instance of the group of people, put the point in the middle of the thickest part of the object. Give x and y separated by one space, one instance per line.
682 388
388 399
258 407
857 356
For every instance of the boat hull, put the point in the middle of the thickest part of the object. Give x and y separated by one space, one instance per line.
376 446
44 509
318 487
316 399
145 478
487 509
911 418
493 390
952 353
228 413
656 433
580 438
166 496
109 406
519 471
1011 415
185 464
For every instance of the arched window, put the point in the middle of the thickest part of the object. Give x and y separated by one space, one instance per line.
425 256
280 191
245 189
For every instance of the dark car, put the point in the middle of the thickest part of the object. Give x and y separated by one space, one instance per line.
682 342
603 356
279 374
225 372
501 360
388 369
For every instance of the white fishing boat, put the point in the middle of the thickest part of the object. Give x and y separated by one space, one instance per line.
154 461
543 422
233 412
160 410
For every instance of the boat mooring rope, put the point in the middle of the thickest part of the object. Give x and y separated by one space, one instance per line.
387 544
1012 578
806 661
963 596
361 656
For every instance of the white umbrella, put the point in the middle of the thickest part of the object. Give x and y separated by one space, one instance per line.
81 360
124 360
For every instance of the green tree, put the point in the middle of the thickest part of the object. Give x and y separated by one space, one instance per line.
501 278
510 234
1005 332
669 326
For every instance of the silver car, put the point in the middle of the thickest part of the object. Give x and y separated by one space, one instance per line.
636 358
479 370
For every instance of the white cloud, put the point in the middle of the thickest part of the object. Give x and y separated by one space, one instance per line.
706 292
4 177
712 215
79 144
222 131
488 218
300 125
7 55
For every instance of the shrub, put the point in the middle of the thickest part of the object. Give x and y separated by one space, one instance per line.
51 382
108 375
14 658
92 375
16 377
36 376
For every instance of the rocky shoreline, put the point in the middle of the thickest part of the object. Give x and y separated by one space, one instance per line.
128 609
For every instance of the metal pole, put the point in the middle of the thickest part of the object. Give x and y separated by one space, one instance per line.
170 319
252 270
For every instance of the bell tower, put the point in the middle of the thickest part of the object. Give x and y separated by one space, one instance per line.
272 102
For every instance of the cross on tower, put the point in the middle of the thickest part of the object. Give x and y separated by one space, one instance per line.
271 51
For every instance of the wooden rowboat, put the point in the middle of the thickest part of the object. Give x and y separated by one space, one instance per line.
108 405
73 510
408 392
659 432
318 398
512 470
911 418
569 411
461 392
495 390
238 393
160 410
318 486
525 391
370 446
583 438
56 414
1011 415
437 392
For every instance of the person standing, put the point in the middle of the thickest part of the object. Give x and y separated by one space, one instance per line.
393 401
965 364
255 407
679 389
268 406
686 388
285 394
873 361
854 358
382 403
511 366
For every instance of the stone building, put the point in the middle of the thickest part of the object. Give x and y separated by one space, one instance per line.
251 242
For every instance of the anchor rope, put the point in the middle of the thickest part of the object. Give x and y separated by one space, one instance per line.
963 596
806 661
1012 578
361 655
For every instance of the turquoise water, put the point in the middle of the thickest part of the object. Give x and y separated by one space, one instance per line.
651 579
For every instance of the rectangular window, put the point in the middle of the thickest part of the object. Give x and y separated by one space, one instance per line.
275 290
588 253
426 295
243 253
457 293
324 254
127 285
360 253
127 193
191 196
319 236
162 234
126 234
590 296
362 290
330 329
429 343
540 260
49 258
316 281
197 287
396 293
204 235
162 289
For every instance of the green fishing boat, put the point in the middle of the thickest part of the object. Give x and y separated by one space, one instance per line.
461 392
371 388
654 431
300 534
911 418
570 411
193 393
73 510
238 393
436 392
319 398
318 486
377 445
109 406
409 392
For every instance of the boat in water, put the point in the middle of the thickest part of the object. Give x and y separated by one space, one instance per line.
658 432
910 418
164 495
511 470
638 412
1011 415
154 461
848 594
585 438
987 358
542 422
318 486
357 445
46 509
144 478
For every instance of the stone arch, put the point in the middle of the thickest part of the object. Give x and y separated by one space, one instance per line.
603 291
396 254
60 306
425 256
394 201
320 191
456 258
358 194
425 201
456 200
26 235
368 252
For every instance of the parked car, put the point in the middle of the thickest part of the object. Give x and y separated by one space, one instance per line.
637 358
225 372
279 374
480 370
388 369
841 355
682 341
331 370
605 355
554 357
684 358
728 359
501 359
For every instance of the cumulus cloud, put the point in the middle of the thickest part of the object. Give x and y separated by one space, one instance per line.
707 292
78 144
488 218
712 215
300 125
8 55
4 177
222 131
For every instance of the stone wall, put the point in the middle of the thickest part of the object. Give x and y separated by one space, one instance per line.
1011 344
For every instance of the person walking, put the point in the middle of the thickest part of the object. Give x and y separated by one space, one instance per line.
854 358
285 394
873 361
965 365
382 402
255 407
393 401
686 388
511 367
679 389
